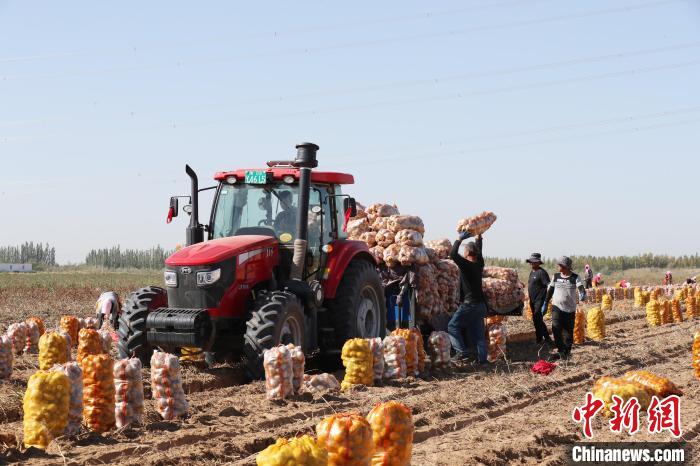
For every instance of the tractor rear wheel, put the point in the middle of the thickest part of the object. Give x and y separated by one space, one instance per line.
359 308
132 322
277 318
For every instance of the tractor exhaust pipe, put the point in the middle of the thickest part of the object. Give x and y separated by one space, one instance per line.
194 233
305 161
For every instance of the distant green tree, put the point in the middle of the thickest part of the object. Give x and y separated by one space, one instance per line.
116 258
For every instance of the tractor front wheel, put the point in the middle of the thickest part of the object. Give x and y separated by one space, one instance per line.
132 322
277 318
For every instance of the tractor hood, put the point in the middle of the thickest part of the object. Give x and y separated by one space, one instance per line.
218 250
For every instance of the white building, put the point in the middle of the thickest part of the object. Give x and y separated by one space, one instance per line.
15 267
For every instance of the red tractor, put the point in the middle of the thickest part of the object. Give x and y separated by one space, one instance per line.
276 269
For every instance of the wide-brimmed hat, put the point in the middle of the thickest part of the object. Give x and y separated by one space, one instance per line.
565 261
535 257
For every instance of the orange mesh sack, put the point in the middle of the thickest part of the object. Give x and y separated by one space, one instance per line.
89 343
98 392
696 354
166 385
392 434
580 327
46 404
39 323
279 372
420 350
411 349
348 439
6 357
394 357
33 335
439 347
298 363
676 311
128 386
377 349
654 384
357 359
52 350
691 309
18 334
70 325
666 313
74 373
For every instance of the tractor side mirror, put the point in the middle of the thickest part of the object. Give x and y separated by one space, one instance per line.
172 210
349 203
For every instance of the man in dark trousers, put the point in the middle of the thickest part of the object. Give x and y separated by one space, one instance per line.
562 292
471 313
537 291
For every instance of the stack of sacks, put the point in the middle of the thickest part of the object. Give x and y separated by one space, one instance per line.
502 289
321 383
18 335
370 226
6 357
279 372
496 328
439 347
166 386
128 384
358 362
441 247
478 224
394 357
298 363
74 373
377 349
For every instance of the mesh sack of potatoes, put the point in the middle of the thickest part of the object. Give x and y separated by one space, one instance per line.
128 385
33 335
654 384
503 273
696 354
379 224
106 337
87 322
497 336
410 255
348 439
449 273
666 313
409 238
298 363
606 387
46 404
379 210
391 255
411 349
385 237
71 326
320 383
595 324
297 451
441 247
375 346
503 295
357 359
355 228
18 334
420 350
477 224
370 238
392 433
653 313
166 386
6 357
89 343
433 258
69 343
406 222
39 323
98 392
73 371
580 327
676 311
52 350
439 347
394 357
691 308
427 290
279 372
378 254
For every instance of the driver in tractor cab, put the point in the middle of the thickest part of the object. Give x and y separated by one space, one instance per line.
286 220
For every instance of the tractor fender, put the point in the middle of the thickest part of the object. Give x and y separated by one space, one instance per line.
343 252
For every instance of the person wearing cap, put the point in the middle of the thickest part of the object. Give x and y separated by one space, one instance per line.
597 280
588 276
562 293
471 312
537 291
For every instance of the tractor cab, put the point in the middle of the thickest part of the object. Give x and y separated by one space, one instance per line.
276 268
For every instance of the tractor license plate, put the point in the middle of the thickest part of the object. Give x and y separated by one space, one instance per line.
256 177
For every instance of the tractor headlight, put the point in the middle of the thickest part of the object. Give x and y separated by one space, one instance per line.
208 277
170 278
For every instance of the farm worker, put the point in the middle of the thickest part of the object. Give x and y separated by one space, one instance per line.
537 291
668 278
286 220
562 293
588 275
471 312
597 280
691 281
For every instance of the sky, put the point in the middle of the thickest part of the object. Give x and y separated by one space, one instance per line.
576 122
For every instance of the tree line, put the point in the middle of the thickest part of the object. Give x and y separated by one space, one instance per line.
606 264
117 258
39 255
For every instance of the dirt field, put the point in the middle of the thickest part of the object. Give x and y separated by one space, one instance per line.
502 414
